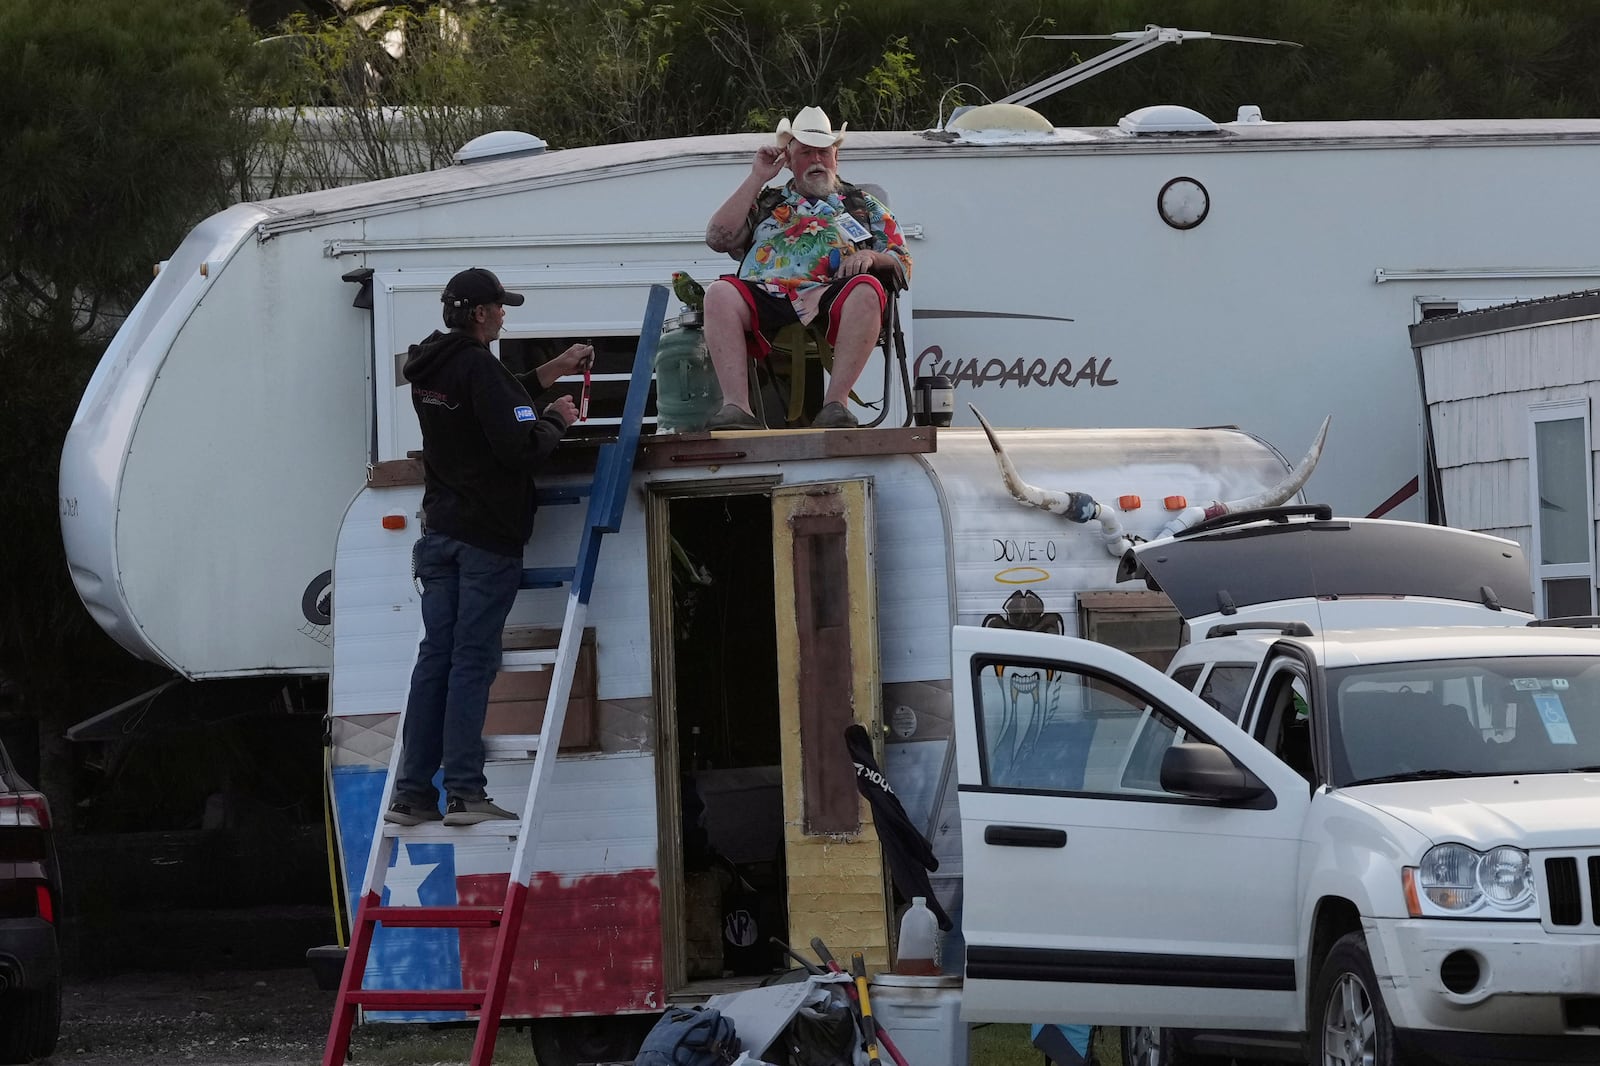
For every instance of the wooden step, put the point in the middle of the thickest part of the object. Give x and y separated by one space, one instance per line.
439 833
460 917
546 577
504 747
417 999
522 659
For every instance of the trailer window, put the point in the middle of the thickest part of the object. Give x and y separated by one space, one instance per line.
608 379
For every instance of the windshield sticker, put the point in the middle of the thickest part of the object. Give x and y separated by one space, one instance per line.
1554 718
1558 682
1525 684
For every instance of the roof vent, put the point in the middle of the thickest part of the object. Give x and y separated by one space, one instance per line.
1166 118
1012 118
501 144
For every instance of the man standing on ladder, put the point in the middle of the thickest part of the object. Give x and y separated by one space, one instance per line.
482 442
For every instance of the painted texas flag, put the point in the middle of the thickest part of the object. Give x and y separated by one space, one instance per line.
590 941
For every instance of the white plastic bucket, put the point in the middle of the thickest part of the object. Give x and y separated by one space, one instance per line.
923 1017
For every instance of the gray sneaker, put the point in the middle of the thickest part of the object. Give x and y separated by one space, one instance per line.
404 812
733 416
835 416
471 812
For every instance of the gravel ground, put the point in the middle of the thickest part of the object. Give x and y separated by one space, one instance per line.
280 1018
244 1018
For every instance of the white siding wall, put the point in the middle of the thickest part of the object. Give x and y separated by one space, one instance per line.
1479 390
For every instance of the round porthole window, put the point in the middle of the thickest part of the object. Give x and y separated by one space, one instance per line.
1183 203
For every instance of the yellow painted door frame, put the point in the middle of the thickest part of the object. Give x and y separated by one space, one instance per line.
828 676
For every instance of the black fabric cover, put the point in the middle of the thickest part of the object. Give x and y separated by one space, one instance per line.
910 856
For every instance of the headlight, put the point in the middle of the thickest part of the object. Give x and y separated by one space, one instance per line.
1506 877
1454 880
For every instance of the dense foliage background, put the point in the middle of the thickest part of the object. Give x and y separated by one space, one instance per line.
123 122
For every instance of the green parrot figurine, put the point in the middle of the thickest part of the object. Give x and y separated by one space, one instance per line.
689 291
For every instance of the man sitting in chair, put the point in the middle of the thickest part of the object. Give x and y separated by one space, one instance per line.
805 249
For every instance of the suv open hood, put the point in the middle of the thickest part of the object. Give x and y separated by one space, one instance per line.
1216 573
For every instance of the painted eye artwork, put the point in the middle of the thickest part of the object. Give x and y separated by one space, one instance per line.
1024 610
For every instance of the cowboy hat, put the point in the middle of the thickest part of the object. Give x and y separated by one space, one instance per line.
811 126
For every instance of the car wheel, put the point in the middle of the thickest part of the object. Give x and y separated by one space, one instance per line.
30 1021
1349 1024
1146 1045
569 1041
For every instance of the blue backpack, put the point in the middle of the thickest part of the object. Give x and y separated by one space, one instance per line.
690 1036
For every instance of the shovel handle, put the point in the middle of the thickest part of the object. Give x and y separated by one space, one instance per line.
824 954
855 1009
858 968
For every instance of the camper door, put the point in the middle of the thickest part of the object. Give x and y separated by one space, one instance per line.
828 678
1091 896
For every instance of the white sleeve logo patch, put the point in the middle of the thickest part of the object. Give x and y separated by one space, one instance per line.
524 414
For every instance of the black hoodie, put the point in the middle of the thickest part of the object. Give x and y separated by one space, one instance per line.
909 854
481 443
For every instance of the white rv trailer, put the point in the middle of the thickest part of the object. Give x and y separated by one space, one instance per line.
1063 279
764 590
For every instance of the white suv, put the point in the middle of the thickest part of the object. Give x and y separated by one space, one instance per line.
1369 845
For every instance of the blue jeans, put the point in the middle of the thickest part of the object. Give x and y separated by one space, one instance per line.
466 595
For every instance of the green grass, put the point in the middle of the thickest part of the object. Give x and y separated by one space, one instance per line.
1009 1045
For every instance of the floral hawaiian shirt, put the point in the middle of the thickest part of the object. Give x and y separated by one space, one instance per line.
796 249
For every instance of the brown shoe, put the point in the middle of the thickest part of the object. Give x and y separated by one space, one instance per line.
733 416
834 416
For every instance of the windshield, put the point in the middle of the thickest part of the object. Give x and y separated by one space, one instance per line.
1465 717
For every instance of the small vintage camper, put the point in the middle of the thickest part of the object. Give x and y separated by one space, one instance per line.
765 590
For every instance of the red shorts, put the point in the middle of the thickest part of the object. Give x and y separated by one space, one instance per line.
772 313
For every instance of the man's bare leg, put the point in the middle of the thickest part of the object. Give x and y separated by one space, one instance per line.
860 319
727 322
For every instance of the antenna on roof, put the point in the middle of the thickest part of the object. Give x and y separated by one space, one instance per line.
1135 43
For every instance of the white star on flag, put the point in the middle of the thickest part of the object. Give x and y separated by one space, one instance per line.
405 880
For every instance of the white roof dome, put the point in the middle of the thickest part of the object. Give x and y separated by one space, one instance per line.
1166 118
501 144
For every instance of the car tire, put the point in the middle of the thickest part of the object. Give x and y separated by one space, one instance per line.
1348 1021
1145 1045
30 1022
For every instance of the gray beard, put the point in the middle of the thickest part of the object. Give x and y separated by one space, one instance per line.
816 190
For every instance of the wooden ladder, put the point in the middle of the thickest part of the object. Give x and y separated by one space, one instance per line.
608 496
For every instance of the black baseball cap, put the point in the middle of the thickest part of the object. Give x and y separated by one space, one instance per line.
475 287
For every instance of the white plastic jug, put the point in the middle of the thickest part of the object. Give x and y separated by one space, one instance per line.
918 954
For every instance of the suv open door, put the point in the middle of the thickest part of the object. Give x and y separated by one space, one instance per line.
1153 890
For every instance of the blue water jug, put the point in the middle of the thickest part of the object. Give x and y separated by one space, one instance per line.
687 393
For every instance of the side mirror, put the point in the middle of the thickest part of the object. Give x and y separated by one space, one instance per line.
1205 771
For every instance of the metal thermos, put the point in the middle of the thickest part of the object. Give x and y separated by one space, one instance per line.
687 393
935 400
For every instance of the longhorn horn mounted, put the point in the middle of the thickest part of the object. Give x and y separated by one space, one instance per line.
1081 507
1272 497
